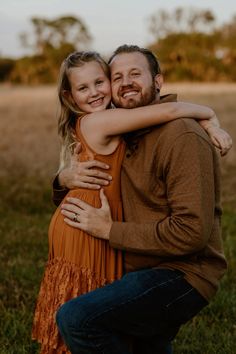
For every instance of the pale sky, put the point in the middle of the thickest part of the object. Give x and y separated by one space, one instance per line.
110 22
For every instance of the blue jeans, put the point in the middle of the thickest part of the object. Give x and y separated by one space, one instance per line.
147 305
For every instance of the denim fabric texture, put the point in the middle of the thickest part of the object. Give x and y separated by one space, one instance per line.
148 306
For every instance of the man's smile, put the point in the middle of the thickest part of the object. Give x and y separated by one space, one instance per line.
130 93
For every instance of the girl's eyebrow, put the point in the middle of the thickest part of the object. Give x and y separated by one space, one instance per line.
80 85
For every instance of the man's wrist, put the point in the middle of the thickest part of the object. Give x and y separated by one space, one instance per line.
57 184
61 180
116 235
108 230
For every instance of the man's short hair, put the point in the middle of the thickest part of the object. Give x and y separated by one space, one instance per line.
151 58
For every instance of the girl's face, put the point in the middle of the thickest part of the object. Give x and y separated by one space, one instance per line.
90 87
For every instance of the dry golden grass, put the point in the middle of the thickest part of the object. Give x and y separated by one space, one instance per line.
29 143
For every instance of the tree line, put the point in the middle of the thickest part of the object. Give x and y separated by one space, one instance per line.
192 47
50 41
188 42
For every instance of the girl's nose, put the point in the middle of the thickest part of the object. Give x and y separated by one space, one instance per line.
93 91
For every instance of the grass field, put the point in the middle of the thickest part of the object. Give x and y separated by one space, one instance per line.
29 158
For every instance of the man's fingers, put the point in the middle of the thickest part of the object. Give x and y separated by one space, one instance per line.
77 225
94 180
89 182
95 163
99 174
72 223
104 200
103 196
76 153
72 215
86 185
78 202
70 210
77 149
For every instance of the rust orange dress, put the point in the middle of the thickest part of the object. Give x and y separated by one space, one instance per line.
77 262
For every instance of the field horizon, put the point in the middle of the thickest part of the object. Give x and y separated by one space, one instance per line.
30 144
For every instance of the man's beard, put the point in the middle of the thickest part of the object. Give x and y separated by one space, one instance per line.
148 97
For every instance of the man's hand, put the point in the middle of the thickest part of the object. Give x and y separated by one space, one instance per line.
95 221
84 174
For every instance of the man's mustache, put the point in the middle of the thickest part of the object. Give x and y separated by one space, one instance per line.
128 88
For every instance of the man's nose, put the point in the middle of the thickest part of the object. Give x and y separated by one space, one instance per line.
126 81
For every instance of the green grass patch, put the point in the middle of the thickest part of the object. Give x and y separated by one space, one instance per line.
26 209
213 331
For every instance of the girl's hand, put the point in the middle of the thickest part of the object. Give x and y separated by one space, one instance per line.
219 137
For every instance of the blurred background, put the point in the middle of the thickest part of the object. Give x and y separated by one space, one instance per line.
193 43
196 45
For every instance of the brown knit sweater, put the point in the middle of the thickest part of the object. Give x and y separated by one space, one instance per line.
171 198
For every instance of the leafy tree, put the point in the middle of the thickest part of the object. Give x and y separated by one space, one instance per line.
191 47
52 41
189 56
6 67
180 20
57 33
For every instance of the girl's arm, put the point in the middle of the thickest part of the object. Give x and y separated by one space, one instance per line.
117 121
101 129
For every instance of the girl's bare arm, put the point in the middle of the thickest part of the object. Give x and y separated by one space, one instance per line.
117 121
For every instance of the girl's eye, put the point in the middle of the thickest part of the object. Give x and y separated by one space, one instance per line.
135 74
99 82
82 88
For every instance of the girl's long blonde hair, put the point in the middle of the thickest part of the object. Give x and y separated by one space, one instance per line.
69 111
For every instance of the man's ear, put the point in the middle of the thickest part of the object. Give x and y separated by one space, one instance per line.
158 82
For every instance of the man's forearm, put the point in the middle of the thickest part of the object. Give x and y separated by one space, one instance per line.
59 192
159 239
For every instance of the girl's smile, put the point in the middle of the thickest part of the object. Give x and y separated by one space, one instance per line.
90 87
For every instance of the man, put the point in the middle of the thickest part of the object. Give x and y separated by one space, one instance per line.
171 234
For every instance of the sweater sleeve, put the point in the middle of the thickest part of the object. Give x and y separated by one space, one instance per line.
58 192
189 176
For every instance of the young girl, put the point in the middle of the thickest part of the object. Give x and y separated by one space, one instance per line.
77 262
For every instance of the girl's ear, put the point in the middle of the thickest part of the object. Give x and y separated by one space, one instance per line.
68 96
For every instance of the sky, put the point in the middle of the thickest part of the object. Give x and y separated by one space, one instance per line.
110 22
